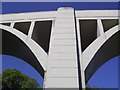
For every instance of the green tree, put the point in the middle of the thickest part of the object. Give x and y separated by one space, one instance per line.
12 79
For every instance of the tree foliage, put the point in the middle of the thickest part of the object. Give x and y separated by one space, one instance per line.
15 79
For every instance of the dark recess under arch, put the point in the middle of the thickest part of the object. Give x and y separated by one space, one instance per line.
12 45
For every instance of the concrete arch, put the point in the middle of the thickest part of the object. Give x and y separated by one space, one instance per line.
25 54
109 49
92 49
33 46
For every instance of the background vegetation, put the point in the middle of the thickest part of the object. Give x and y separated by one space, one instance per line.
12 79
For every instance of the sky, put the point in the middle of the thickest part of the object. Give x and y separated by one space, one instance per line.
102 78
106 76
20 7
59 0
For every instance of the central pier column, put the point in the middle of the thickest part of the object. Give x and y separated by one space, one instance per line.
62 71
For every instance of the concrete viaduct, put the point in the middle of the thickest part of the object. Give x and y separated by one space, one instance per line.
65 46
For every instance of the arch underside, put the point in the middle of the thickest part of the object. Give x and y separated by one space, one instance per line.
12 45
107 51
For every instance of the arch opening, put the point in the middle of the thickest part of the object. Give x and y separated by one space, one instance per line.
7 24
107 51
106 76
109 23
23 27
11 62
88 31
41 34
